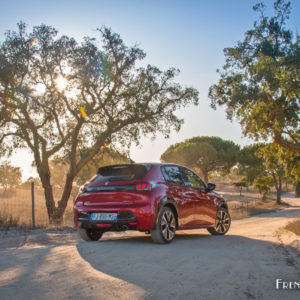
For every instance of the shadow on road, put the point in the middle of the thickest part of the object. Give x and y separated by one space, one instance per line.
193 265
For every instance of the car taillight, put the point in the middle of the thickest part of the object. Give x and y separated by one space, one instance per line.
145 186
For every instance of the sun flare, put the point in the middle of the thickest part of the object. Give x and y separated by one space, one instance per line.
40 89
61 83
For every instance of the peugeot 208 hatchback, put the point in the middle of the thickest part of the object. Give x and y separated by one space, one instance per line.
154 198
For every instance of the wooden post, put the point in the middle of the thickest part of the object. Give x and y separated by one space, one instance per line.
32 204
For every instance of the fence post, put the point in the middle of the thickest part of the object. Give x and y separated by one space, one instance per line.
32 204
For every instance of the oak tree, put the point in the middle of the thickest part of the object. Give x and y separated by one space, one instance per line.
260 81
58 97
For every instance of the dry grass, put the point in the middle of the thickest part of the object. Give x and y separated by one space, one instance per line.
256 208
294 226
8 221
249 203
16 205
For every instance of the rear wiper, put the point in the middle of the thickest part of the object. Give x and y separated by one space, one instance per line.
119 179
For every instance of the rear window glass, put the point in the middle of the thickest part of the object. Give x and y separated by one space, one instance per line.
121 173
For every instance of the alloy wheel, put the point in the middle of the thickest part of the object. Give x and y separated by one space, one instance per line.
223 221
168 225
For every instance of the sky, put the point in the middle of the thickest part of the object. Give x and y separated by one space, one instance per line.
186 34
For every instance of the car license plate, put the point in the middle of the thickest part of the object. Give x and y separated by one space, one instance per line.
103 216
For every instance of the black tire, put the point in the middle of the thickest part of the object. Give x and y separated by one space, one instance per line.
90 234
223 222
165 227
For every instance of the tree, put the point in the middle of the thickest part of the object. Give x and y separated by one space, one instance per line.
249 165
240 185
59 97
10 177
206 154
260 82
106 156
263 183
272 165
291 164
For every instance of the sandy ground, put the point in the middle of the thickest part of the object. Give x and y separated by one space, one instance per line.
244 264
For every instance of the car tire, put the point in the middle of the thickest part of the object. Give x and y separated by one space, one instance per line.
223 222
165 227
90 234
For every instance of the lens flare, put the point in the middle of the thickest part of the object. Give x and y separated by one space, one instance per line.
82 112
33 43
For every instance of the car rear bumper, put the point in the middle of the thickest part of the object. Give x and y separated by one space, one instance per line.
134 219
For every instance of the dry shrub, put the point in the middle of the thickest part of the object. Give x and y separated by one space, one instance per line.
294 226
8 220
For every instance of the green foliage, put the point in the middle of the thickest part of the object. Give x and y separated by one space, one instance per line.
263 183
269 153
250 166
260 83
60 98
206 154
10 177
241 184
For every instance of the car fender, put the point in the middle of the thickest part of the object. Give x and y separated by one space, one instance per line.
162 203
222 204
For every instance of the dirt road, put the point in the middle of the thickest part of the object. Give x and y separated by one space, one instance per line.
244 264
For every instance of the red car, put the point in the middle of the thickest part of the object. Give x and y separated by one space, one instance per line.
152 197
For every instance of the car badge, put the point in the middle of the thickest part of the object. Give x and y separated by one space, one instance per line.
106 183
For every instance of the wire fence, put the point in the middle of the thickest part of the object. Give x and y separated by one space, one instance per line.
18 209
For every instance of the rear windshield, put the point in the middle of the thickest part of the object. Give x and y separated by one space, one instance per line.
121 173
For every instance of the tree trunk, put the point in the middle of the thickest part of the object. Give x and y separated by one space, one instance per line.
62 204
55 214
205 176
278 186
297 194
48 192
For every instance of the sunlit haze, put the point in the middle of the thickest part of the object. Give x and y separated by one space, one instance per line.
188 35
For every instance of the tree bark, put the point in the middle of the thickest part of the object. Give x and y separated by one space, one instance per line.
278 187
205 176
48 192
297 194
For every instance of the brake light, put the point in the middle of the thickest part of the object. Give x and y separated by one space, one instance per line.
132 223
104 225
146 186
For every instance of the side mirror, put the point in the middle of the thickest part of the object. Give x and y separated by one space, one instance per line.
210 187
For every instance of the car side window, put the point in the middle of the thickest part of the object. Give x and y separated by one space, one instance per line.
172 174
193 180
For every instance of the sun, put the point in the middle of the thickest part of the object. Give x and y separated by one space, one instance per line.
40 89
61 83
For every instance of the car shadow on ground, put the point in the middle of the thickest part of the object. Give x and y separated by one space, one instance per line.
192 265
